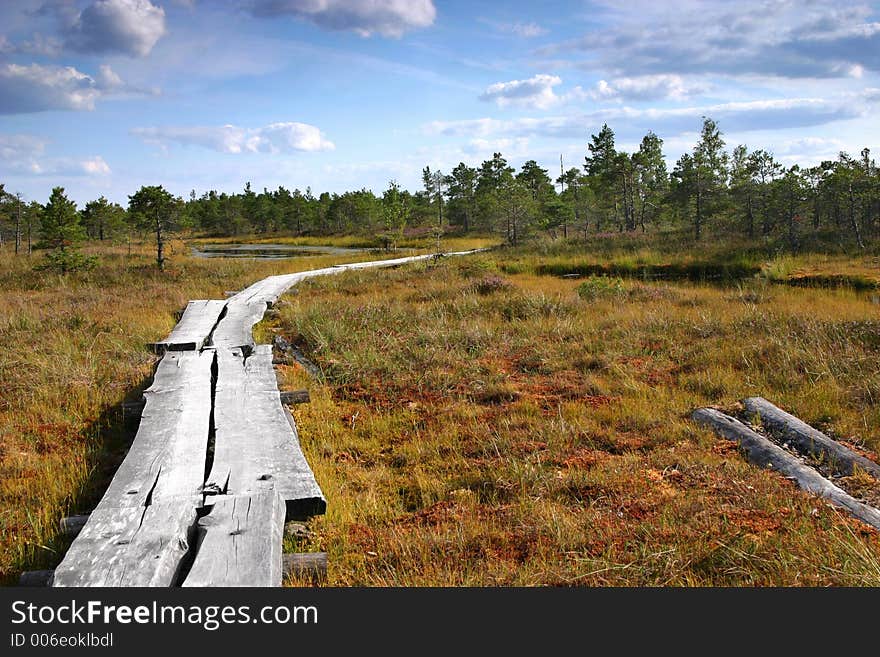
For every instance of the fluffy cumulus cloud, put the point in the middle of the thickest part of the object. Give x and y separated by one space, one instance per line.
389 18
130 27
819 39
287 137
38 88
536 92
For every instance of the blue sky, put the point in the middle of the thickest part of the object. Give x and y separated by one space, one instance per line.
103 96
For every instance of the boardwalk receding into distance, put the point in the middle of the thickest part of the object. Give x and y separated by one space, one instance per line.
215 469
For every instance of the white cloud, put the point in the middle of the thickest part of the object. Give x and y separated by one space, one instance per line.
37 88
26 155
536 92
20 147
525 30
775 114
786 39
644 87
390 18
131 27
95 166
286 137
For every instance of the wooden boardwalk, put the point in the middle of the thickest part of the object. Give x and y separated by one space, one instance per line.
215 469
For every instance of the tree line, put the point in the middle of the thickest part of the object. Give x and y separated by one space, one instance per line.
710 191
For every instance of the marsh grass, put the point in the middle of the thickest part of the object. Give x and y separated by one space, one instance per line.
74 350
537 435
475 423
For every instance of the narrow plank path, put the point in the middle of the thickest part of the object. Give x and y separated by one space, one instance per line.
215 468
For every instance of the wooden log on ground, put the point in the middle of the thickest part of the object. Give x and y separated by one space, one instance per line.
36 578
254 442
194 328
295 396
808 440
134 546
132 410
240 542
312 565
72 525
763 452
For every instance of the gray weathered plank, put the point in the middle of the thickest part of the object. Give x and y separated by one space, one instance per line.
193 329
167 456
808 440
134 546
763 452
254 443
139 533
240 541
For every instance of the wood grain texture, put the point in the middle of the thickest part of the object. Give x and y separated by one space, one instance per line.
194 327
134 546
763 452
239 542
808 440
139 533
254 442
167 456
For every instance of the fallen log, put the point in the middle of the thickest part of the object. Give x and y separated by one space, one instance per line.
72 525
36 578
295 397
763 452
311 565
808 440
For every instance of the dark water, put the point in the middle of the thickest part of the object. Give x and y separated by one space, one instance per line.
268 251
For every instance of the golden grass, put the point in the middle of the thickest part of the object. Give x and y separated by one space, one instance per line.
527 436
468 433
74 349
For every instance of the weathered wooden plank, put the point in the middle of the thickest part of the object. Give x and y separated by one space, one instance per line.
139 533
808 440
254 443
763 452
167 456
134 546
240 542
194 327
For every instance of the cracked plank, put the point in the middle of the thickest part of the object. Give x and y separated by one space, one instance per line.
194 327
130 547
254 441
240 541
167 455
139 533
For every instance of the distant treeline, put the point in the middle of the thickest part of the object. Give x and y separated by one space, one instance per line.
711 191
